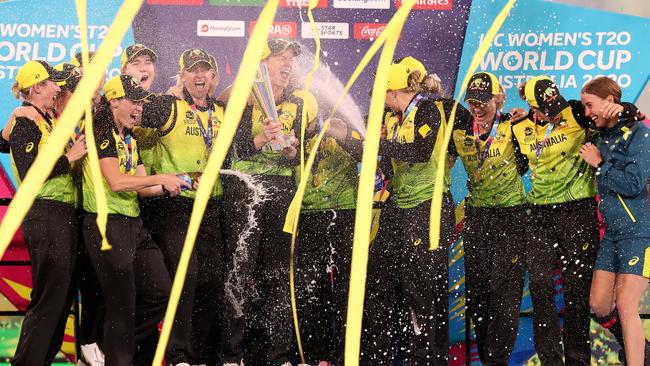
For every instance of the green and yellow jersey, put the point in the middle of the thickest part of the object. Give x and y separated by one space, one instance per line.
111 145
183 135
559 175
333 183
409 143
498 182
27 137
247 159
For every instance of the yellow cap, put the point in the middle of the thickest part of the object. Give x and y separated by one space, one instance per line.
414 65
398 77
33 72
124 86
134 51
542 93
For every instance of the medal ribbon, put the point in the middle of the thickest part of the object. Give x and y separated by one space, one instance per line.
477 140
408 111
128 151
207 135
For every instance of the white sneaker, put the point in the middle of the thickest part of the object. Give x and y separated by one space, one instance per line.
182 364
289 364
92 355
81 363
234 364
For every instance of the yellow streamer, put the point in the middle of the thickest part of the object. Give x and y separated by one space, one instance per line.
366 187
303 125
98 184
626 208
46 158
296 212
436 201
240 92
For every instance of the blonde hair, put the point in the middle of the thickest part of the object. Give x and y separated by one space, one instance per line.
430 84
20 94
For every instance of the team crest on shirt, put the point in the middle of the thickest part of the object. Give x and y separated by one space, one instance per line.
189 118
528 134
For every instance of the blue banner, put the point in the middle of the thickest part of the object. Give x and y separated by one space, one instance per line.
47 30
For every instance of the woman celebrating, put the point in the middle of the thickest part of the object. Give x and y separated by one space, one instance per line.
263 264
494 213
623 161
410 138
187 128
135 264
51 225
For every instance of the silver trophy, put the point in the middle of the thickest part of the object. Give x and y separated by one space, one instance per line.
263 94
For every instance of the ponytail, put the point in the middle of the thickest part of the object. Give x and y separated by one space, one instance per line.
430 84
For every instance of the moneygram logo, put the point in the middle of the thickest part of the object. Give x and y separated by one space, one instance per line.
279 29
326 30
220 28
368 30
301 4
428 4
362 4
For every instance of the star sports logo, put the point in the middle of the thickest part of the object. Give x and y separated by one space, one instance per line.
220 28
326 30
279 29
369 31
428 4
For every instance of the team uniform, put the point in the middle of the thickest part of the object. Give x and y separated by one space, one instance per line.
404 229
133 277
494 228
259 264
621 181
186 133
324 249
51 233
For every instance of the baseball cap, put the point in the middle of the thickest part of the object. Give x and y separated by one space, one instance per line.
134 51
213 63
276 46
33 72
414 65
398 77
542 93
71 81
124 86
482 87
76 60
190 58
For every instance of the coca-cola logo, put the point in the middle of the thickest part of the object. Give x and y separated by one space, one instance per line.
368 30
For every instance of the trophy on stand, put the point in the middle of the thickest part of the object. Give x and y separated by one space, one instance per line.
263 94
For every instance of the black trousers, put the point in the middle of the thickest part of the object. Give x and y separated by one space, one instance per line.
51 234
322 262
92 299
135 284
402 248
257 295
170 229
494 242
207 313
568 234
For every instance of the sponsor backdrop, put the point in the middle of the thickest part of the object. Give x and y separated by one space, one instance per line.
569 43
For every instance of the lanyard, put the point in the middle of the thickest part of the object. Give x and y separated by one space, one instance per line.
207 135
539 147
408 111
128 151
481 155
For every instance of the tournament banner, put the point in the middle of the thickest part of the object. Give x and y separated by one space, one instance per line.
572 45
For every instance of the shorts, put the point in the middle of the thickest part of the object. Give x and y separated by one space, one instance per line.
624 256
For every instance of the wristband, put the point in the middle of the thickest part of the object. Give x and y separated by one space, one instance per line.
601 163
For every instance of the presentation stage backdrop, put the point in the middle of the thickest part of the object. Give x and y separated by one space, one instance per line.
568 43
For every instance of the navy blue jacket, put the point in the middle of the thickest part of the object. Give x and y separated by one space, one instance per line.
622 180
